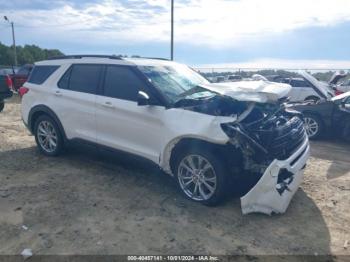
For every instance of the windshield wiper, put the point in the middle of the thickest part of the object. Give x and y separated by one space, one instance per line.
191 91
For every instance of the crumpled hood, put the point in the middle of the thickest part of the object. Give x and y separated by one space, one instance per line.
254 91
336 77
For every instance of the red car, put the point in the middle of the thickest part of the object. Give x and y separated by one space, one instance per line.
19 78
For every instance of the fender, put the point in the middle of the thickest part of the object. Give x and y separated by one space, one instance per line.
43 109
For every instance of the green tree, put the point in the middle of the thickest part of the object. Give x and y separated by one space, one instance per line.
28 54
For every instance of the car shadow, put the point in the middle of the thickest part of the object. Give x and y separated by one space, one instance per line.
339 159
136 190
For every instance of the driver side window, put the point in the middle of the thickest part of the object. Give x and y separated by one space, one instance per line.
122 83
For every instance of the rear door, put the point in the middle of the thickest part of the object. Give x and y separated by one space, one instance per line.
121 123
75 98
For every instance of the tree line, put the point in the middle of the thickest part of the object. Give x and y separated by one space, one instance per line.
27 54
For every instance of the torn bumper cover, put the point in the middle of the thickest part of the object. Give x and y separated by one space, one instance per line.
278 184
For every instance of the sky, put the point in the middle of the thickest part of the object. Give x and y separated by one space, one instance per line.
208 33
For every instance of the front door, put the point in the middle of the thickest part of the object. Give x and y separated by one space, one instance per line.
121 123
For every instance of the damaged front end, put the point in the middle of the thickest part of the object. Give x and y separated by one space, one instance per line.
275 149
270 138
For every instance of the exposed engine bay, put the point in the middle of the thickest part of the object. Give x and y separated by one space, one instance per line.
270 129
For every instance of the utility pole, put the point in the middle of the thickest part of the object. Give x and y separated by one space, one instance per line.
13 39
172 31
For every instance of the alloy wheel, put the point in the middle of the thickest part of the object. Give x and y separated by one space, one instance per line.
311 126
47 136
197 177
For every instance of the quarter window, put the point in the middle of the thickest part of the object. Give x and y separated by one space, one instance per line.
41 73
122 83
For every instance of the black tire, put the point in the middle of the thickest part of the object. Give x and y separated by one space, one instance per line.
60 142
2 105
219 167
313 135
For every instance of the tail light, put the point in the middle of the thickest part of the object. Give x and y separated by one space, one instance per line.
23 90
338 92
9 82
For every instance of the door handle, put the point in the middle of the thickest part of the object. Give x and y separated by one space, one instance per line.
58 93
108 104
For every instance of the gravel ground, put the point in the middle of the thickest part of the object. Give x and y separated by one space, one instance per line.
91 202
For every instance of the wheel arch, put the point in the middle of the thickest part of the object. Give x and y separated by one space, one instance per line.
40 110
184 142
313 98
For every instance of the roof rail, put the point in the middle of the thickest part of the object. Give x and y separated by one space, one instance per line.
82 56
156 58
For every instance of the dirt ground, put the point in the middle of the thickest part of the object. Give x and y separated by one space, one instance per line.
88 202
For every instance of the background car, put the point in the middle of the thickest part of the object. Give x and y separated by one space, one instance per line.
306 87
232 78
344 86
5 85
20 77
331 116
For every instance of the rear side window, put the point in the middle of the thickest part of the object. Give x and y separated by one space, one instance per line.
299 83
41 73
122 83
82 78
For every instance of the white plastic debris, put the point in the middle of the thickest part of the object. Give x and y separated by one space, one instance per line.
24 227
27 253
346 244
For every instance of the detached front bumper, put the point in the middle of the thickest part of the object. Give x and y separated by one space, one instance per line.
278 184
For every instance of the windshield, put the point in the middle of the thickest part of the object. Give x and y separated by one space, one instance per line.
176 81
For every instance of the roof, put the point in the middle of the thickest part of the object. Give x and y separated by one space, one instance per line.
102 59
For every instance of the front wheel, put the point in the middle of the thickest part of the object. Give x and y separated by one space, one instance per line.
48 136
201 177
313 126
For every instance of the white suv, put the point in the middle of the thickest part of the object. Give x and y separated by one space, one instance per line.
209 137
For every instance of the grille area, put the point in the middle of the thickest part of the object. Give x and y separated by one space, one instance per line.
287 138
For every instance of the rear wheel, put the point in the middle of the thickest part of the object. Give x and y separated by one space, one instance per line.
2 105
48 136
200 176
313 125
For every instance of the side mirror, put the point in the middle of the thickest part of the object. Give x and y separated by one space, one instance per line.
143 99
